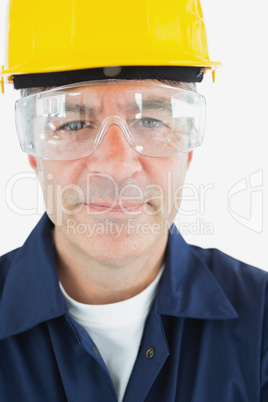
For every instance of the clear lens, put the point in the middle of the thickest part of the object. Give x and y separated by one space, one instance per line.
70 122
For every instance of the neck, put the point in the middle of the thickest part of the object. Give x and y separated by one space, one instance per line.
91 281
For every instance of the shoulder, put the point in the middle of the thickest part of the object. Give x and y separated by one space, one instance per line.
245 285
223 265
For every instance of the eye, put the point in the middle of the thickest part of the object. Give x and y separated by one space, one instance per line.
151 123
74 125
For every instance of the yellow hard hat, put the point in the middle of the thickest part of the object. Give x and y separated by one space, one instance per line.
51 35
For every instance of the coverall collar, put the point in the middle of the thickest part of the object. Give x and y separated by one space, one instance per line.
31 293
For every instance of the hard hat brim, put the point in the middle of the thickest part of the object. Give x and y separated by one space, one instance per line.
168 73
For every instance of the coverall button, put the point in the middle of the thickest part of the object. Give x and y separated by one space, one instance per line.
150 353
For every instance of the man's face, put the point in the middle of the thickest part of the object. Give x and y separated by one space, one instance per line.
115 204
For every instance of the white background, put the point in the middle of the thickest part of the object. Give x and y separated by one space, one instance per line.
232 157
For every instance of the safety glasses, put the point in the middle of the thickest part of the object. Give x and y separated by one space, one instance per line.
70 122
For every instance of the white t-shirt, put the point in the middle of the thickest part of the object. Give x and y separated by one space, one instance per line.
116 330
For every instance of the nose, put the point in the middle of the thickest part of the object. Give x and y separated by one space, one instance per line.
114 155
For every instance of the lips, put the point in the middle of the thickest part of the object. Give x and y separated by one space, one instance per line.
117 207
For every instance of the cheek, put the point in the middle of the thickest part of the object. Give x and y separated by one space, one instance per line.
58 181
61 172
170 172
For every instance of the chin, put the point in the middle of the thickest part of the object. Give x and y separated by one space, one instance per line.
116 249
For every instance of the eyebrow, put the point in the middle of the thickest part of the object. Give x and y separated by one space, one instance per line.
82 109
146 104
151 104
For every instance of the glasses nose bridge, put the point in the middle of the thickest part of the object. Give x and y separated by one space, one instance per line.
105 126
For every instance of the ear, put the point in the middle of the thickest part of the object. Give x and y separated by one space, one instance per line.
32 161
190 157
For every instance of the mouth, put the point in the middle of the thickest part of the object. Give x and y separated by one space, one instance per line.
115 208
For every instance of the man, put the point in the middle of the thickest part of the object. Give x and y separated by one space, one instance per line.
105 301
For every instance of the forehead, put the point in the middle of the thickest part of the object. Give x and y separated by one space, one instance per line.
97 95
117 91
123 93
110 85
